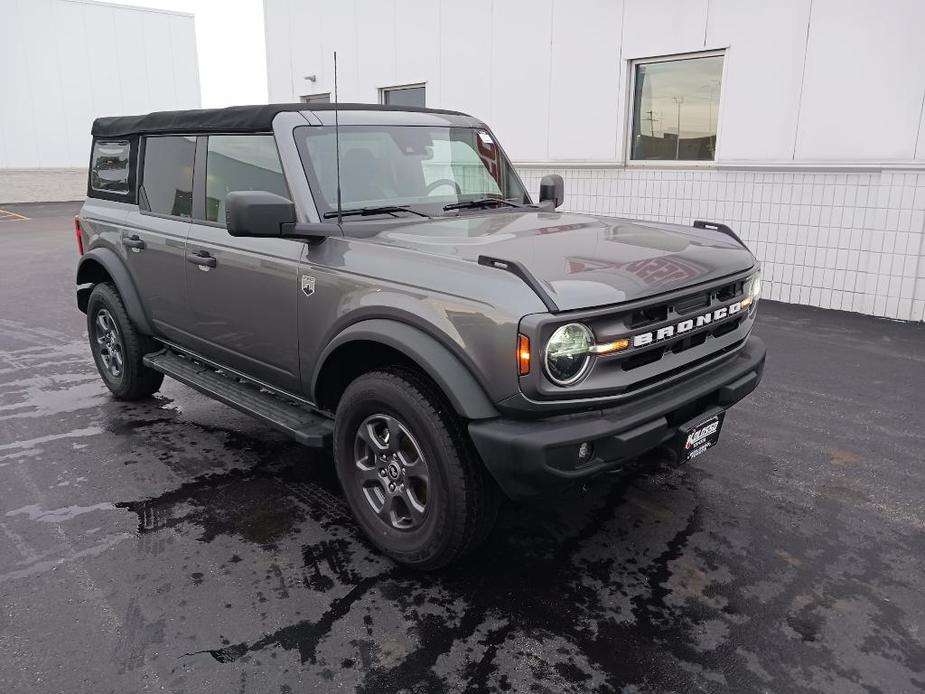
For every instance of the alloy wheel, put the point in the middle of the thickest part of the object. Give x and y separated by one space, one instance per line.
391 472
109 343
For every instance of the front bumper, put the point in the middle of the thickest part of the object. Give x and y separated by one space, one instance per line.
532 457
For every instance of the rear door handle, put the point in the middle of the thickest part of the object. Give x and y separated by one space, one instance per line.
202 259
133 242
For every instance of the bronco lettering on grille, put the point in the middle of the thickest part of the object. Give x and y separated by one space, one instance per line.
669 331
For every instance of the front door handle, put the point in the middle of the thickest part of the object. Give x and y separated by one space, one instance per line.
133 242
202 259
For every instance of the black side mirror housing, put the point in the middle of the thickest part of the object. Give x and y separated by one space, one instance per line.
258 213
552 190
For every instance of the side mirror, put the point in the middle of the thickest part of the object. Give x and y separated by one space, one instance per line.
257 213
552 190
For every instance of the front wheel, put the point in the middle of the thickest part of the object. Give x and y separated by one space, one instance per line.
118 348
409 472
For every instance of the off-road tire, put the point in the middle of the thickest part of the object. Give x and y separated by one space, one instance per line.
136 381
463 499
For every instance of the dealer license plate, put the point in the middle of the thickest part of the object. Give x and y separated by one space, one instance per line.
697 439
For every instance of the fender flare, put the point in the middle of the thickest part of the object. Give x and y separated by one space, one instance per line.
453 377
116 269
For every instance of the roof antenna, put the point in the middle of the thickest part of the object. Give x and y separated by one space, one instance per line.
337 143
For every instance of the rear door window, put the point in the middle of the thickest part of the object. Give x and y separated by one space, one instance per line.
167 176
240 162
109 167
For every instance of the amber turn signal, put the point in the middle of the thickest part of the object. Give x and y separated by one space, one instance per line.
523 355
609 347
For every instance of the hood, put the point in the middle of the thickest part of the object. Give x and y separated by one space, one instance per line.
582 261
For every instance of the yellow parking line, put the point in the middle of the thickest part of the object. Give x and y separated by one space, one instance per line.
7 216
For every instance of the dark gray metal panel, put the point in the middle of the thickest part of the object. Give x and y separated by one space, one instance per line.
581 261
244 309
471 309
158 268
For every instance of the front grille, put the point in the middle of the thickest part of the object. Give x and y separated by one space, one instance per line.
639 366
659 313
681 345
648 316
729 292
637 385
689 342
647 362
637 360
692 303
727 327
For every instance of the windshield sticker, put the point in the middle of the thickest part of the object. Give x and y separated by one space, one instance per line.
488 153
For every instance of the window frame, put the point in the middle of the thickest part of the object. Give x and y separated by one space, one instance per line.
143 146
402 87
308 98
131 195
321 205
630 103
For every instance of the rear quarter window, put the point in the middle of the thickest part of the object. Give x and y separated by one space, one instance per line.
110 167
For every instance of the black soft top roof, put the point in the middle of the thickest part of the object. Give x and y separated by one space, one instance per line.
234 119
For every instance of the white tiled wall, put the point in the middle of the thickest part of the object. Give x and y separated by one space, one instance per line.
849 241
42 185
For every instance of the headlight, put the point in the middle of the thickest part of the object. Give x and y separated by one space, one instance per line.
753 287
568 353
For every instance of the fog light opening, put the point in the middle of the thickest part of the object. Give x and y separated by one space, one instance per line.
585 452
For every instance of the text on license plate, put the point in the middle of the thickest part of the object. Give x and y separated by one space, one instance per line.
700 437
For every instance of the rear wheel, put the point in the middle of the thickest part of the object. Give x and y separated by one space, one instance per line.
118 347
409 471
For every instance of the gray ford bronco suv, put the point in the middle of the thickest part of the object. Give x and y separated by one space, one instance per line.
377 279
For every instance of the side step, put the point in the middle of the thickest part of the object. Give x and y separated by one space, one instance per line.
305 426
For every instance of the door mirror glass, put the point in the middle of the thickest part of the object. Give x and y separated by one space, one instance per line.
257 213
552 190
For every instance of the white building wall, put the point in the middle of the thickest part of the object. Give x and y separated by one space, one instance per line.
64 63
820 159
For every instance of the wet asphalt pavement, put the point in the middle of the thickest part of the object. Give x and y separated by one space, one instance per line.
176 545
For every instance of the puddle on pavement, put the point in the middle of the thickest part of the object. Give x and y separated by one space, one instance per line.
659 580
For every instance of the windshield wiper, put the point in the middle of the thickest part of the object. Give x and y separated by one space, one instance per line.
480 202
367 211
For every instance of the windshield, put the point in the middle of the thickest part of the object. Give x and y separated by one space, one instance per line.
423 168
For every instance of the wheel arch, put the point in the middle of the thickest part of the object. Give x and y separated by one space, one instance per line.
103 265
371 343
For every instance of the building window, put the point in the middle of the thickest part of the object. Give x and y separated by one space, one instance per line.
408 95
316 98
676 108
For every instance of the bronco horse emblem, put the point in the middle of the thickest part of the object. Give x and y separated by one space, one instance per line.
308 285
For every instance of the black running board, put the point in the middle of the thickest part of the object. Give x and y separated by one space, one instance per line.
301 423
